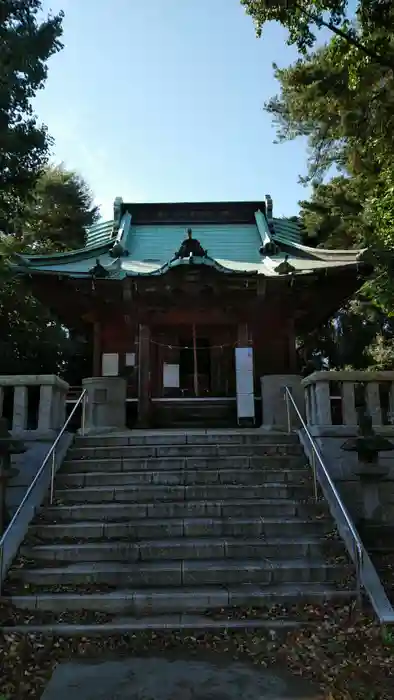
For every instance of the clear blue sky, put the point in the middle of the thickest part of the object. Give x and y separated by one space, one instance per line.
162 100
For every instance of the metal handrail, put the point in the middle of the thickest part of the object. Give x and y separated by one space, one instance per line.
51 453
359 547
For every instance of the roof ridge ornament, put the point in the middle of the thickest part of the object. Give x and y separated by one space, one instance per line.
99 270
285 268
191 248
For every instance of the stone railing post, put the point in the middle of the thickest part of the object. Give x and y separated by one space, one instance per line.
373 403
317 396
19 419
53 393
349 413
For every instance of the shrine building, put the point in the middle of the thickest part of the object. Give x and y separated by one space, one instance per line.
193 309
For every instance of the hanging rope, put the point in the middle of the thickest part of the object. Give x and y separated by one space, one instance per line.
190 347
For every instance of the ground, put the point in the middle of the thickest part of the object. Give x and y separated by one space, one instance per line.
158 678
343 654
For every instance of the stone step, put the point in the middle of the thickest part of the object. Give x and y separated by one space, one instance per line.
140 603
160 623
180 548
202 450
183 573
179 527
192 463
182 477
152 493
236 508
191 437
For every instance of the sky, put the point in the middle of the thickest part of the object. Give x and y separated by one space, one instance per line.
163 101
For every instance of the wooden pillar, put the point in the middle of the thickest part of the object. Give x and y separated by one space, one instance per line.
292 352
195 362
144 398
96 349
243 335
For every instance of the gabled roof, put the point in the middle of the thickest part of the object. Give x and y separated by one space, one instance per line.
239 237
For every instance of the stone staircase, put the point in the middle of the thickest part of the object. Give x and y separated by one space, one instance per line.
177 530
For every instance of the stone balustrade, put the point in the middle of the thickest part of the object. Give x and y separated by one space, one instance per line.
41 417
331 398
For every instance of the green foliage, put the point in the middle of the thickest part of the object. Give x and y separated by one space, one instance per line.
27 41
60 209
32 341
302 19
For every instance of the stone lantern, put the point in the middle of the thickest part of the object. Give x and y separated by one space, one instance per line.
8 446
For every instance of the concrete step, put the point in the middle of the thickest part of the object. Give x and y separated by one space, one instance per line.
192 463
183 573
140 603
191 437
178 548
152 493
203 450
234 508
183 477
149 528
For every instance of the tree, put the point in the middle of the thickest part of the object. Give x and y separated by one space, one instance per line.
60 208
367 31
27 41
343 103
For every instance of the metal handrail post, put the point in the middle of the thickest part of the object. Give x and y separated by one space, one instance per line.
288 410
314 475
83 418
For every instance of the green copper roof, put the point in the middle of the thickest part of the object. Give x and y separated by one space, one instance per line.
238 237
284 231
99 233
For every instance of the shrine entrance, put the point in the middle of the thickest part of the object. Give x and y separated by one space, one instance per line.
193 375
195 366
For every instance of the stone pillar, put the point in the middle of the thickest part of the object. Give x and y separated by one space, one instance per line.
19 420
323 403
313 404
106 404
46 409
144 373
59 407
274 403
349 414
373 403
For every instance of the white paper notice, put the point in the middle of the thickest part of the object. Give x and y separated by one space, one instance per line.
110 364
130 359
170 376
